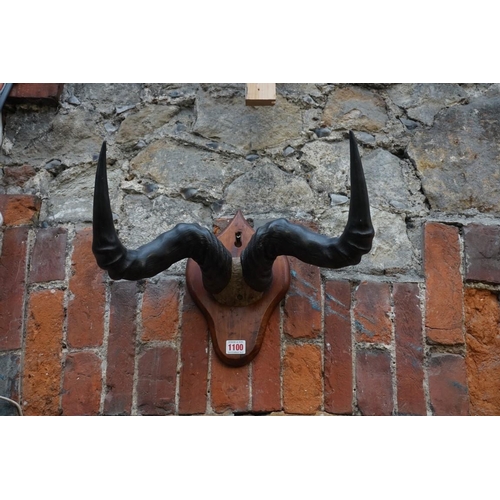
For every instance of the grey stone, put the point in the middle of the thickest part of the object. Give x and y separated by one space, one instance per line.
288 151
355 108
177 168
329 165
141 219
380 166
267 189
458 158
74 101
322 132
54 166
122 109
392 251
423 101
110 127
71 194
338 199
247 127
138 125
40 135
252 157
106 97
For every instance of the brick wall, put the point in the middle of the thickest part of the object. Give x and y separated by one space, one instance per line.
72 342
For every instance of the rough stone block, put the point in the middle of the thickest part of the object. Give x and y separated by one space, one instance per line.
42 368
355 108
409 349
448 385
194 360
48 260
457 158
372 312
87 295
444 287
82 386
482 326
121 348
266 368
338 348
302 379
374 382
482 252
157 381
12 278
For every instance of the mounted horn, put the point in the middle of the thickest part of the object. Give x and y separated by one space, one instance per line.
280 237
183 241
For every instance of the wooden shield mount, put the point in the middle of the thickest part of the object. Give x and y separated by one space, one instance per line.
237 317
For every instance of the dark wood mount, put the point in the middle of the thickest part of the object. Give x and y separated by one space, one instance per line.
240 322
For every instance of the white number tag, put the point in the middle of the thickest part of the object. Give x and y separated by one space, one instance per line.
236 347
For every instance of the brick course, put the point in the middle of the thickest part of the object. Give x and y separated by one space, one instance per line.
87 295
374 382
338 348
82 387
42 361
444 292
12 289
62 361
409 349
302 379
448 385
121 348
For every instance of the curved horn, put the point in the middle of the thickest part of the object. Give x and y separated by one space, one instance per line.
183 241
280 237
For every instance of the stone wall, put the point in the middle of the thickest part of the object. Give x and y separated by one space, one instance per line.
413 329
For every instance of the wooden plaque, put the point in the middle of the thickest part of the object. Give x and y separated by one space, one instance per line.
237 331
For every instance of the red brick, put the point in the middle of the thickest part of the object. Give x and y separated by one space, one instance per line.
338 348
160 310
302 379
19 209
46 93
17 175
482 323
409 349
448 385
157 381
48 259
444 311
42 358
482 251
229 386
374 382
303 301
121 348
194 358
266 369
12 279
82 384
87 295
372 312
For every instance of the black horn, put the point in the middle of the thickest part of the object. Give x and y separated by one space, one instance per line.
183 241
281 237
